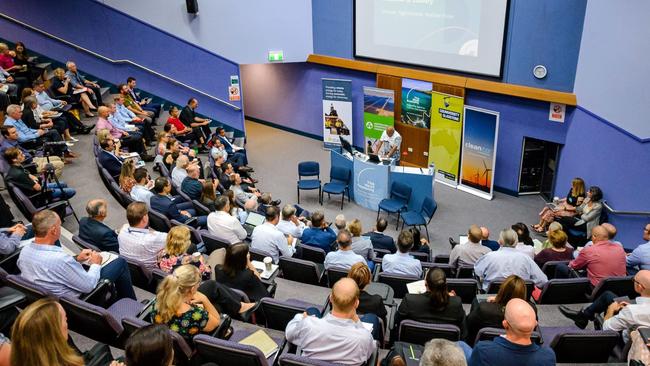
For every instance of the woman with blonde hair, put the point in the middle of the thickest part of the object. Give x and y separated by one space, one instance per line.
126 175
62 88
361 244
40 337
189 307
564 207
368 304
175 253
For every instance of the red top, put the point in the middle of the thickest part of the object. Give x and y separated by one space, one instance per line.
603 259
176 123
6 61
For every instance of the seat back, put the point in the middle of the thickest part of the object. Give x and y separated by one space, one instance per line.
447 268
489 333
289 359
32 291
421 256
584 346
9 262
414 332
117 192
157 276
308 169
227 352
621 286
164 172
140 275
258 255
159 222
429 207
91 321
549 268
397 283
278 313
201 209
84 244
335 274
400 191
465 288
312 254
340 174
23 202
380 253
565 291
441 258
182 351
211 242
465 271
496 284
300 270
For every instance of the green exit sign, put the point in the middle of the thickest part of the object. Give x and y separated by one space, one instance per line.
275 56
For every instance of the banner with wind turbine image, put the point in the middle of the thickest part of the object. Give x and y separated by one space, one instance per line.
479 151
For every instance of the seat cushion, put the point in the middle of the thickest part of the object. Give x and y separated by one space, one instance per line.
413 218
391 205
334 187
309 184
125 308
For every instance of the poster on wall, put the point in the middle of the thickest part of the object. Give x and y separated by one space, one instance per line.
445 136
416 103
479 151
234 92
378 114
556 112
337 111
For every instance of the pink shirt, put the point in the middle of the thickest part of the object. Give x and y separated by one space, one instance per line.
604 259
103 123
6 61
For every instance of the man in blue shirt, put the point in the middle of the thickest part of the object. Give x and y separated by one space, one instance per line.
10 140
121 123
320 234
47 104
515 348
345 257
191 185
31 138
485 239
640 257
144 124
402 263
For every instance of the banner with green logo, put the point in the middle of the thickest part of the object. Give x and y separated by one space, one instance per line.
446 134
378 114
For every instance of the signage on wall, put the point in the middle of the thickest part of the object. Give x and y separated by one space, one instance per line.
556 112
234 93
276 56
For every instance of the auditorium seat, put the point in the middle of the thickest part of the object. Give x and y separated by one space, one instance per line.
300 270
290 359
159 222
258 255
495 285
84 244
141 276
447 268
441 258
415 332
339 184
200 209
465 288
308 169
183 352
565 291
230 353
277 313
621 286
335 274
572 345
211 242
465 271
549 268
397 283
311 253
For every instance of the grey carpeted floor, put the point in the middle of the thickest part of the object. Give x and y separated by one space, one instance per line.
275 155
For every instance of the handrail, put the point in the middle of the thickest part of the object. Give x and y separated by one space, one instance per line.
108 59
620 212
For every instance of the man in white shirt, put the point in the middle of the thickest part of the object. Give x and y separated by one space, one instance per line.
269 239
290 224
141 191
137 241
339 223
402 263
223 225
339 336
469 252
344 257
180 170
389 144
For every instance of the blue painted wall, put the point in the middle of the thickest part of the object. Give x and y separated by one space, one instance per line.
612 77
539 32
605 156
118 36
224 27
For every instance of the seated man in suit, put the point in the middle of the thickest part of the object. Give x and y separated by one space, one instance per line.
320 234
191 185
108 158
485 239
50 267
10 140
402 263
32 138
344 257
231 148
379 239
93 230
163 202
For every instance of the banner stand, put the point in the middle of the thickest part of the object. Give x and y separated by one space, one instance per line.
337 112
445 136
378 114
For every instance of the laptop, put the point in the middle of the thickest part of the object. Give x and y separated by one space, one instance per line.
373 158
253 220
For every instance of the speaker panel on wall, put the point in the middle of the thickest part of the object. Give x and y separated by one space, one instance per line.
192 6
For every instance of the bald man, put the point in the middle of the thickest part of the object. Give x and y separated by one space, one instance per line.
469 252
485 239
515 348
619 316
602 259
93 230
338 336
389 144
191 185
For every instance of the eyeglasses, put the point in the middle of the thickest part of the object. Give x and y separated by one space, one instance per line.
638 283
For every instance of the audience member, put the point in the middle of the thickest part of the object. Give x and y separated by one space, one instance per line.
379 240
50 267
179 173
554 226
320 234
37 119
587 214
558 252
489 313
93 230
224 226
231 149
141 191
179 130
32 138
200 126
269 239
132 142
344 257
208 195
151 345
191 185
485 239
145 103
564 207
238 272
290 224
109 157
163 202
10 238
137 241
78 82
320 338
241 196
524 243
420 243
402 263
361 244
10 140
466 254
515 348
51 105
368 303
620 316
601 260
30 184
179 250
62 88
437 305
339 223
137 129
126 179
640 256
436 352
507 261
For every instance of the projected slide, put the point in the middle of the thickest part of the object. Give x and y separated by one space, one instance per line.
464 35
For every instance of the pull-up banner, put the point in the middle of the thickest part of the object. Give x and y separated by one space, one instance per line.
337 111
479 151
446 132
378 114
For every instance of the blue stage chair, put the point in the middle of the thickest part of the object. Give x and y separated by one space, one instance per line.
308 169
400 194
339 184
421 218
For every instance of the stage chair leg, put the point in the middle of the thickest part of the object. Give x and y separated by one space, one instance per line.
298 189
427 230
377 214
342 199
398 216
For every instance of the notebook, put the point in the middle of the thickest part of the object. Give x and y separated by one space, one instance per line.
261 269
261 341
417 287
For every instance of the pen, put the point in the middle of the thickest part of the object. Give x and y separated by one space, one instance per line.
412 354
